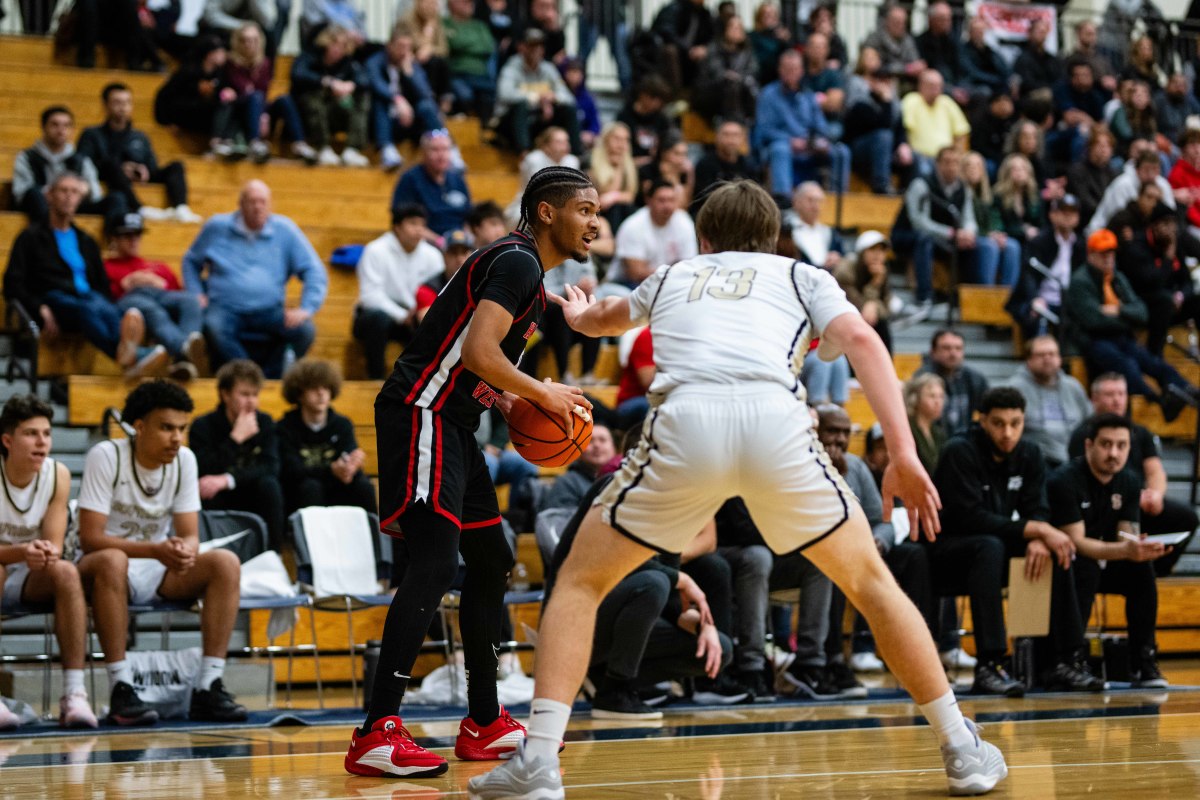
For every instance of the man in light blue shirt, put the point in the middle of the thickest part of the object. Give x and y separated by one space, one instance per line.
240 265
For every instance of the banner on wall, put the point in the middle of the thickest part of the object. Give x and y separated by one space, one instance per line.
1008 26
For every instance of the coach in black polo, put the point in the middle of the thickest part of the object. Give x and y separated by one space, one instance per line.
1094 500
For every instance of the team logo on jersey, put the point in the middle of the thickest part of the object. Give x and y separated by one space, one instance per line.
1015 483
1116 501
528 333
486 395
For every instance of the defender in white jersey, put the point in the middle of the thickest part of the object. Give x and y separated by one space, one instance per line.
731 328
139 529
33 527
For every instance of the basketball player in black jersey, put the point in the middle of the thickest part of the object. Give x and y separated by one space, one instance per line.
434 489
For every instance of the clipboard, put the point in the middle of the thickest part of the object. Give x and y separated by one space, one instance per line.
1028 601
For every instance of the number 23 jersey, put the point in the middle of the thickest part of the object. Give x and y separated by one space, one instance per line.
140 506
735 317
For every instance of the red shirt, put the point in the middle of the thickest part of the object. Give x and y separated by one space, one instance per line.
1185 176
642 355
119 268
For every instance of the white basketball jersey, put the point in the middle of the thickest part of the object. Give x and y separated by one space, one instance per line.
140 503
731 318
22 510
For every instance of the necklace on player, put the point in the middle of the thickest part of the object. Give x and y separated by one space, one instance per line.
137 479
8 495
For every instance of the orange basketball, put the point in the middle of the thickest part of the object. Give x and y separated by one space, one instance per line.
541 438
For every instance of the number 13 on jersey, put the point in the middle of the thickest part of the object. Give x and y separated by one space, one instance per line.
732 284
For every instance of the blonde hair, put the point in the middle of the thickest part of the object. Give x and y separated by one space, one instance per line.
983 192
260 52
915 386
1012 197
439 43
603 172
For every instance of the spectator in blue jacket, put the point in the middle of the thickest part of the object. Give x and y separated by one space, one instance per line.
1079 103
792 135
240 265
331 89
437 185
402 102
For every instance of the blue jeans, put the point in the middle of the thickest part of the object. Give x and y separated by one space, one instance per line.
1124 355
788 169
386 129
234 334
826 381
632 411
509 467
918 247
283 109
871 155
476 92
992 264
617 34
171 317
91 314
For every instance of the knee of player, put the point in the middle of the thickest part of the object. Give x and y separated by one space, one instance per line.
109 567
65 575
225 564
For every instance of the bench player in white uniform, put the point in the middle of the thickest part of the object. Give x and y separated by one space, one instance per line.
730 333
33 525
139 528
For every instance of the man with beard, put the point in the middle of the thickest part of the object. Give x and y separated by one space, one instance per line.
1158 262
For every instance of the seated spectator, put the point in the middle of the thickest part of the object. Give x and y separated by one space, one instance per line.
614 172
1142 167
424 19
139 530
643 115
991 127
727 83
317 15
1185 179
1159 513
998 253
1173 106
1135 119
570 487
941 50
544 16
116 25
552 148
586 109
124 157
1131 222
1055 403
1086 36
1027 138
470 50
671 165
237 450
660 233
1089 179
391 270
768 39
932 119
965 386
823 20
35 168
402 103
334 95
1036 70
240 264
686 31
496 14
873 125
1017 204
531 96
864 278
55 272
1158 262
223 17
925 400
33 529
827 84
437 185
938 212
792 135
1051 258
321 463
456 246
727 161
637 373
1105 313
895 45
249 72
816 243
1142 65
987 74
173 317
1078 106
197 99
993 489
485 223
1094 500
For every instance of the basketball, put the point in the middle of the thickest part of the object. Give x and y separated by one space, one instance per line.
541 438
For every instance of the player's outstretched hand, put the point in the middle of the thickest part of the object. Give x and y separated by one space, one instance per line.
560 399
575 303
907 479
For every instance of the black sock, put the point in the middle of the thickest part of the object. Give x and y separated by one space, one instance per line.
481 612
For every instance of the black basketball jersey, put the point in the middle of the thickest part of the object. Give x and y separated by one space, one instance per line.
430 372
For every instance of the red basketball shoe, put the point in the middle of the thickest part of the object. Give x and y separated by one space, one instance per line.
492 743
389 750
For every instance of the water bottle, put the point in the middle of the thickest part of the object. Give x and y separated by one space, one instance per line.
520 578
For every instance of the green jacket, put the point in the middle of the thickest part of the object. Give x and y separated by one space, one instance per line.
1086 321
471 45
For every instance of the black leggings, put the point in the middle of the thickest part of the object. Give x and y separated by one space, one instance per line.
432 544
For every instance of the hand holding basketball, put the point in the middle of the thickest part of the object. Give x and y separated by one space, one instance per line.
542 438
560 399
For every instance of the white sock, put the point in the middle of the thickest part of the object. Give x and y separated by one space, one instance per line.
947 722
119 672
72 681
212 669
547 724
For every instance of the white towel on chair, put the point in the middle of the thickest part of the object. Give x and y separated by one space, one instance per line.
341 546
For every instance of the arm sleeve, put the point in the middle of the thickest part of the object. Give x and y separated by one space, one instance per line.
1064 504
642 299
16 285
371 267
512 279
1032 503
305 263
1131 496
188 498
95 192
99 472
377 75
825 300
963 510
916 202
193 259
508 85
23 179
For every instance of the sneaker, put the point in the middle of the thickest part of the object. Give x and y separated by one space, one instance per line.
1173 402
183 213
975 768
866 662
390 158
1074 676
755 682
724 691
125 708
958 659
353 158
182 371
150 360
842 677
992 678
133 330
74 711
221 148
216 704
620 701
9 720
807 681
519 778
328 158
1148 676
389 749
195 349
304 152
260 151
154 214
491 742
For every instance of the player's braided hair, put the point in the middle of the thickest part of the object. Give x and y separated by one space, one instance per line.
553 185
